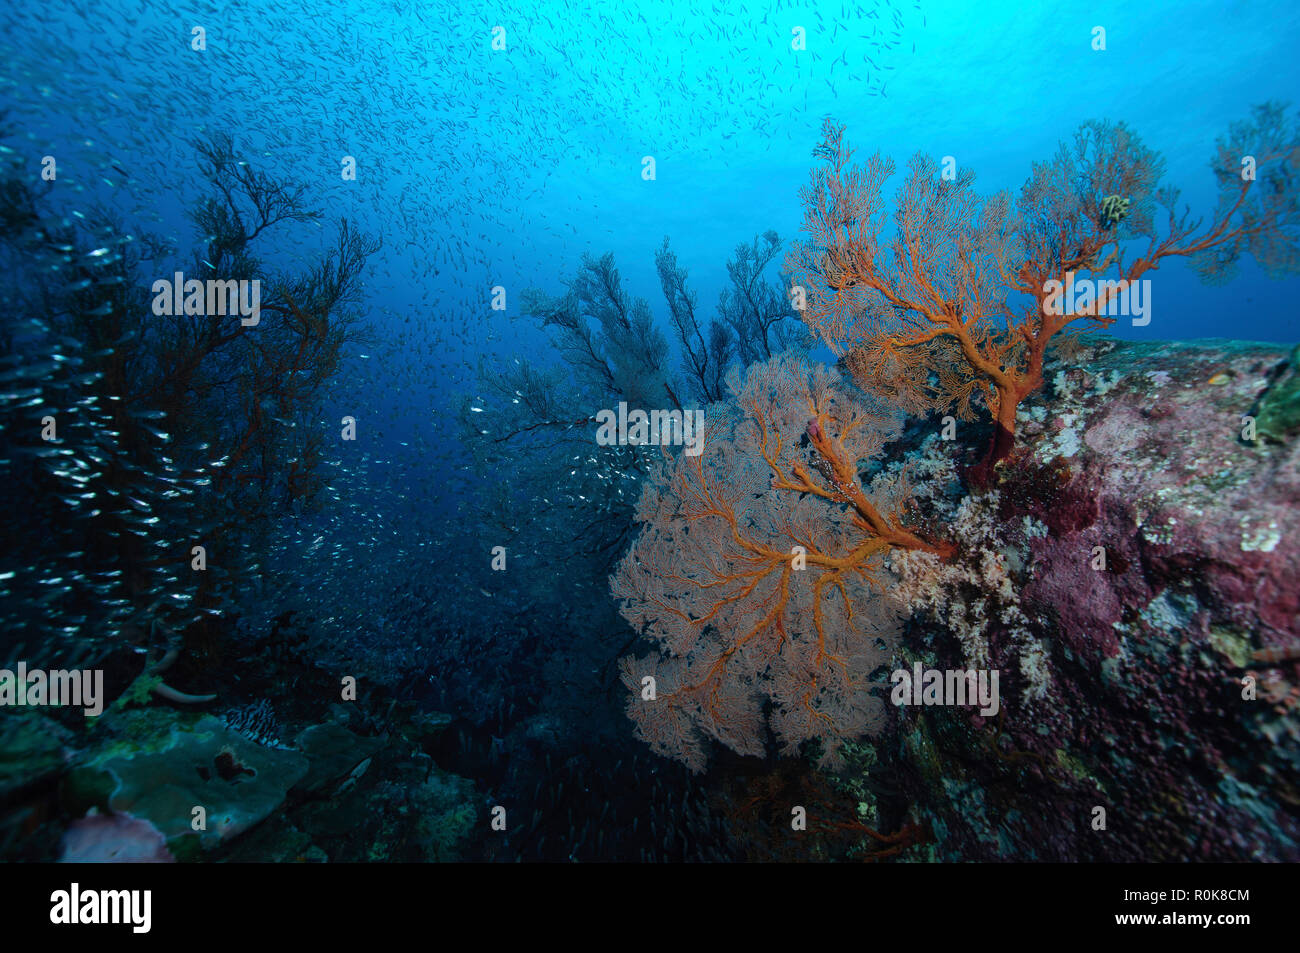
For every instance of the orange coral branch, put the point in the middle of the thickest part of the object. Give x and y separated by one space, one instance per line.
758 599
923 317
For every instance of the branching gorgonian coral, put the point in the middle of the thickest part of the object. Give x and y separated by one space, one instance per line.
757 572
949 294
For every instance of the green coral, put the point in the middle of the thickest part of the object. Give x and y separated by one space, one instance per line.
163 765
447 814
31 748
1075 766
1277 417
138 693
1114 209
1232 644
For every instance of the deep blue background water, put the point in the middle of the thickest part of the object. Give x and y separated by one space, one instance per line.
483 167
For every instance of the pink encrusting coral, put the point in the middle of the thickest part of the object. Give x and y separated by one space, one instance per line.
114 839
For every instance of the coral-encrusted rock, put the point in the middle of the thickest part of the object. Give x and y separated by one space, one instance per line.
1147 442
1172 666
163 765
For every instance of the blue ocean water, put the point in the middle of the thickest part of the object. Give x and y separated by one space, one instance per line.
494 145
482 166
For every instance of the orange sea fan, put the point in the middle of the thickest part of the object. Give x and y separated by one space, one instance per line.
953 296
757 571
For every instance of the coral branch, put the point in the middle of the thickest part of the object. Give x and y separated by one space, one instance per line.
751 573
925 319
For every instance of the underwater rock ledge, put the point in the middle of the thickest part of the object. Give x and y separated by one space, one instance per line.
1151 551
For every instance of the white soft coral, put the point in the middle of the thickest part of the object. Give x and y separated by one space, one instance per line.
974 588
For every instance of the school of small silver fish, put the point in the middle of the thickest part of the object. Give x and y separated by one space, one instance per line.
477 166
490 149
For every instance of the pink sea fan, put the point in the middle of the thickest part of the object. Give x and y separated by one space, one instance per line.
114 839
